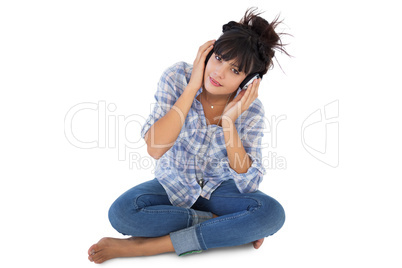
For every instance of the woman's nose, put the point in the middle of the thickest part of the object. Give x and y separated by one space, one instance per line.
220 71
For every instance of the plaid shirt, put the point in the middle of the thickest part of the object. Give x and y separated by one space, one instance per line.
200 151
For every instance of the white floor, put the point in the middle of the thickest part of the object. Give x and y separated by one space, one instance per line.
333 127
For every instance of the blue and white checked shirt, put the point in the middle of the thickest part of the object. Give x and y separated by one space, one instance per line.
199 151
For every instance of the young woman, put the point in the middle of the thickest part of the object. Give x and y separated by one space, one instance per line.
206 133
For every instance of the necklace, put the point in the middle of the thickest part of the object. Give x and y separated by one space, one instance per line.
224 109
212 106
201 181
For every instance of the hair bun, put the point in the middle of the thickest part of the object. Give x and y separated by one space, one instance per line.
251 42
266 53
232 25
268 39
228 26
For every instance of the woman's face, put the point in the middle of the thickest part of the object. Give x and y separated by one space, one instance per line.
222 77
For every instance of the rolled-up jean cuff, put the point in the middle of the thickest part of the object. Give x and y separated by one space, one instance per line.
185 240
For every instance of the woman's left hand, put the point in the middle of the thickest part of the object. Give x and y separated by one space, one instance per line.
242 102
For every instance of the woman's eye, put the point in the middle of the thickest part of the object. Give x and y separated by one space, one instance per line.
235 71
218 58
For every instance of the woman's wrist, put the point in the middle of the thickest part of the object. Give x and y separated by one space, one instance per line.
228 121
191 89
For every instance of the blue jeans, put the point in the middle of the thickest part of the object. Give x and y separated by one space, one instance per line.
145 211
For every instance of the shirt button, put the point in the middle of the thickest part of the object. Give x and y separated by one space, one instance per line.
201 183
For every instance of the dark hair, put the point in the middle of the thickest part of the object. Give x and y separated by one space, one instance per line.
251 43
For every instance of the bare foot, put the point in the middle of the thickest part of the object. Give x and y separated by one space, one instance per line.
109 248
257 244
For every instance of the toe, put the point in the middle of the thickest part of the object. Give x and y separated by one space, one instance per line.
257 244
99 261
96 257
93 249
99 257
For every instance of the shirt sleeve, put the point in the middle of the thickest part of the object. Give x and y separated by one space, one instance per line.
165 96
251 134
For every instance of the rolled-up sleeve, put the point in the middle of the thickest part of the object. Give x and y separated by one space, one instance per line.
251 136
165 96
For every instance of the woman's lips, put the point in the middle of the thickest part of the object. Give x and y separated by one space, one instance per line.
214 82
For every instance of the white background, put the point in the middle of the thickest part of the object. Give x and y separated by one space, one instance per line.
56 54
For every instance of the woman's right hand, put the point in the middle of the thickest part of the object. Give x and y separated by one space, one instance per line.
197 75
